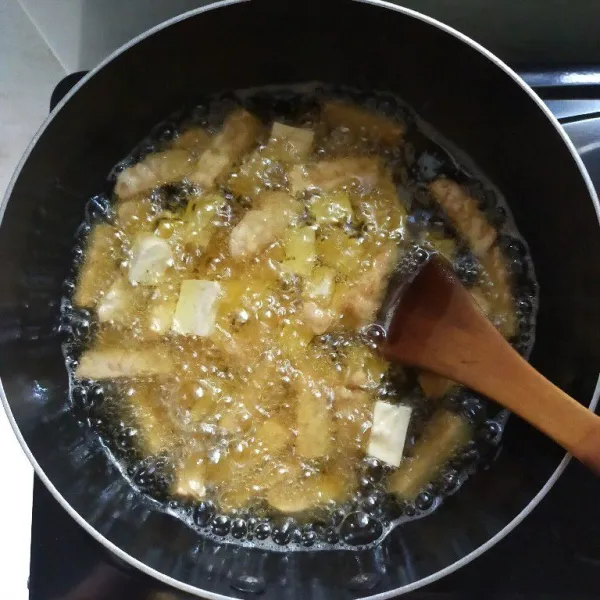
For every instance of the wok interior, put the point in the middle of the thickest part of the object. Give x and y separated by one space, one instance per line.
449 84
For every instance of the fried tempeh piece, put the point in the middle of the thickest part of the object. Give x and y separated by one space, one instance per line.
497 302
264 168
272 437
364 297
102 255
154 427
194 140
313 423
362 123
502 306
465 215
161 308
256 173
482 300
353 415
443 436
328 175
135 215
306 493
190 478
364 368
121 302
263 225
258 481
238 135
116 362
156 169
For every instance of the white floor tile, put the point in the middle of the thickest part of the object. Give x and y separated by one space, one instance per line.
28 73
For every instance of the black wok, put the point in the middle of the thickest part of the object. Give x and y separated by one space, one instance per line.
469 96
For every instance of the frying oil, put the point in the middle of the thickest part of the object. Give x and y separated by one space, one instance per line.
213 411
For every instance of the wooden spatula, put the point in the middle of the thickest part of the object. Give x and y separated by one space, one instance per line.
438 327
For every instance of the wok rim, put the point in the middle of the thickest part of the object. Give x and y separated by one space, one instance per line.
190 589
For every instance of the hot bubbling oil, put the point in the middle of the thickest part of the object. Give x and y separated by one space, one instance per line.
217 428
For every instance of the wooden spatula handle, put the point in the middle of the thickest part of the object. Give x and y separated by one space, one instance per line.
438 327
503 374
551 410
589 450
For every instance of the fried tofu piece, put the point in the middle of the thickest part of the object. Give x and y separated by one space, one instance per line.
290 143
464 213
313 417
388 432
320 286
300 251
361 173
329 209
156 169
102 255
434 386
444 435
362 123
117 362
306 493
196 310
340 251
239 134
261 226
257 173
317 318
151 256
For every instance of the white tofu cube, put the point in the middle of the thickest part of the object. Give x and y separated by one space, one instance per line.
320 285
150 258
300 250
196 310
300 140
388 433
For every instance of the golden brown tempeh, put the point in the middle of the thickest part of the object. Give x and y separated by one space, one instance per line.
100 267
239 134
362 123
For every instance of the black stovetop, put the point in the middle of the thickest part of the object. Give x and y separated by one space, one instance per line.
553 555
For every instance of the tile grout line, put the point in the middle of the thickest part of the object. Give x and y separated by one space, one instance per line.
44 37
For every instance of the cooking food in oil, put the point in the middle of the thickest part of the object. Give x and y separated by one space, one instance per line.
233 287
